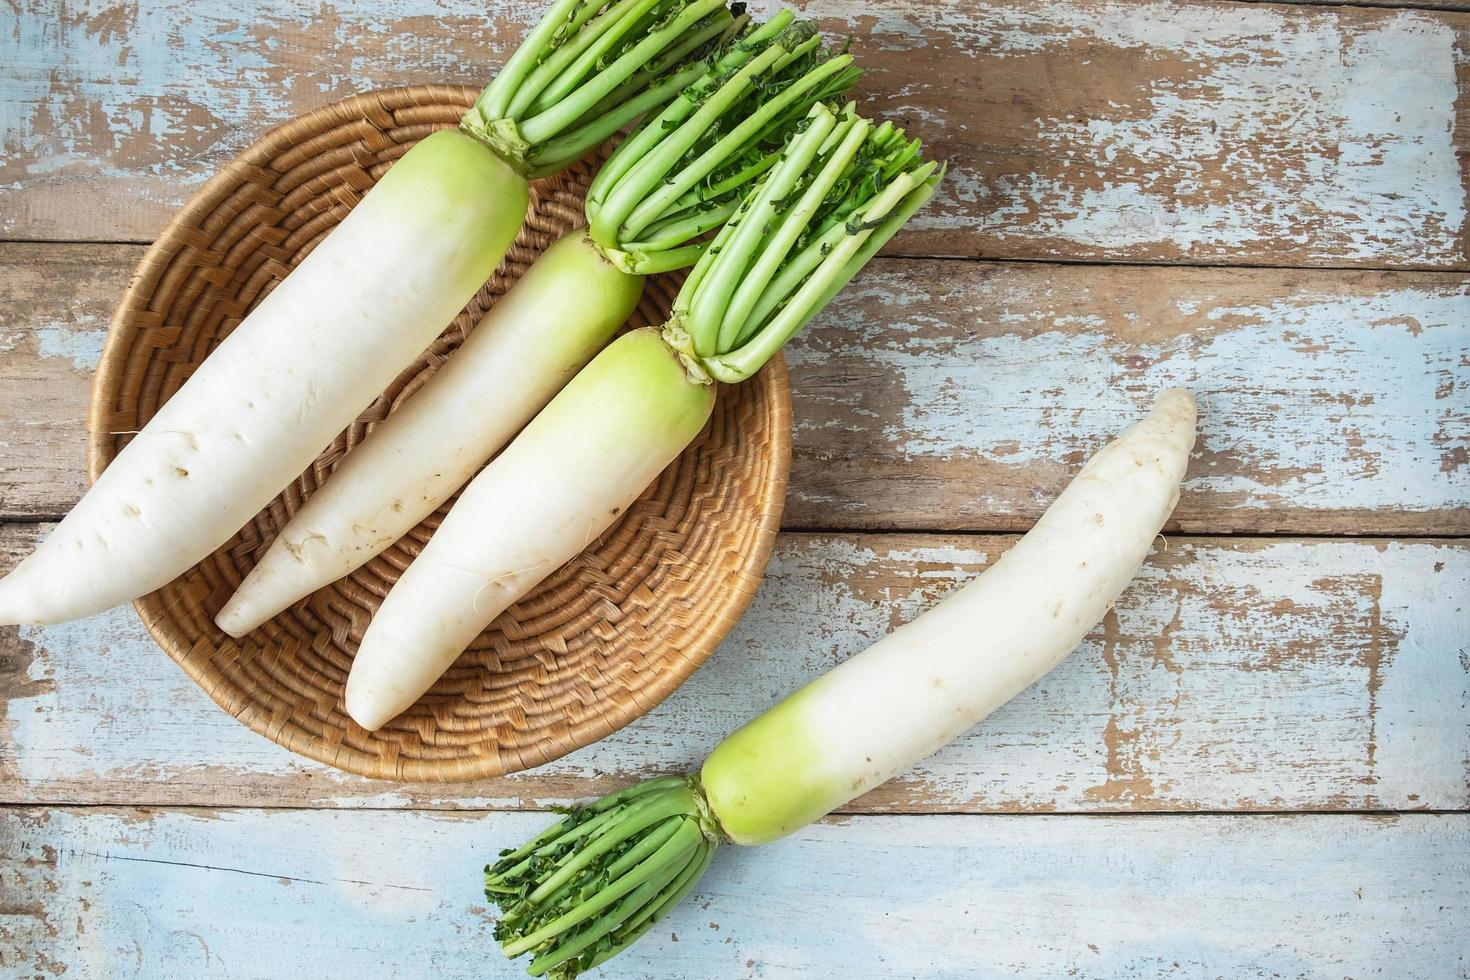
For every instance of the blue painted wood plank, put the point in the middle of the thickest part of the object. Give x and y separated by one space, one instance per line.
170 895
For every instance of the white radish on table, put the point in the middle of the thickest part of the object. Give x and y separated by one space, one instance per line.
694 159
337 330
593 883
840 188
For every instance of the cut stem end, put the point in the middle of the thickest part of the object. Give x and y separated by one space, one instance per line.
594 882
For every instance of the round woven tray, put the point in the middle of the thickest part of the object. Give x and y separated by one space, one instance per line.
599 643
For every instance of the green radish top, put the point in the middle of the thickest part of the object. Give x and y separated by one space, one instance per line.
591 884
683 173
590 68
841 188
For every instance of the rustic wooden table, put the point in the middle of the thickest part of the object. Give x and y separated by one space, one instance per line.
1256 767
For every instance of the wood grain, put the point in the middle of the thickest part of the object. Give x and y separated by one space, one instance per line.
55 306
1139 130
1275 674
181 894
1236 674
960 395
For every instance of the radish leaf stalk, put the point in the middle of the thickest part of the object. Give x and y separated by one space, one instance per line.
588 70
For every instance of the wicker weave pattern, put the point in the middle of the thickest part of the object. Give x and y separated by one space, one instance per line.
602 641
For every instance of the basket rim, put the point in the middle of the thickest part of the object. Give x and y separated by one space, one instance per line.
702 639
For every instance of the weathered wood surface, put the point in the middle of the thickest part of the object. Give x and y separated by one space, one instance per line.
56 303
1236 674
940 394
1098 129
273 893
962 395
1239 674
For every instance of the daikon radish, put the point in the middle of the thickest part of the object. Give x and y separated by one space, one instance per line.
360 307
733 124
593 883
535 339
840 189
600 442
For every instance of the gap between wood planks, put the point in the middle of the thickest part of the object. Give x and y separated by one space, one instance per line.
1384 539
29 520
238 871
1428 8
1018 531
839 815
1447 272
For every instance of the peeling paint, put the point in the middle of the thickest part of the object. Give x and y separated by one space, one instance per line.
1318 394
1158 130
1101 129
82 347
117 111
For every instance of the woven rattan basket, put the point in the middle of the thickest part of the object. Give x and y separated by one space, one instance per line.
599 643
